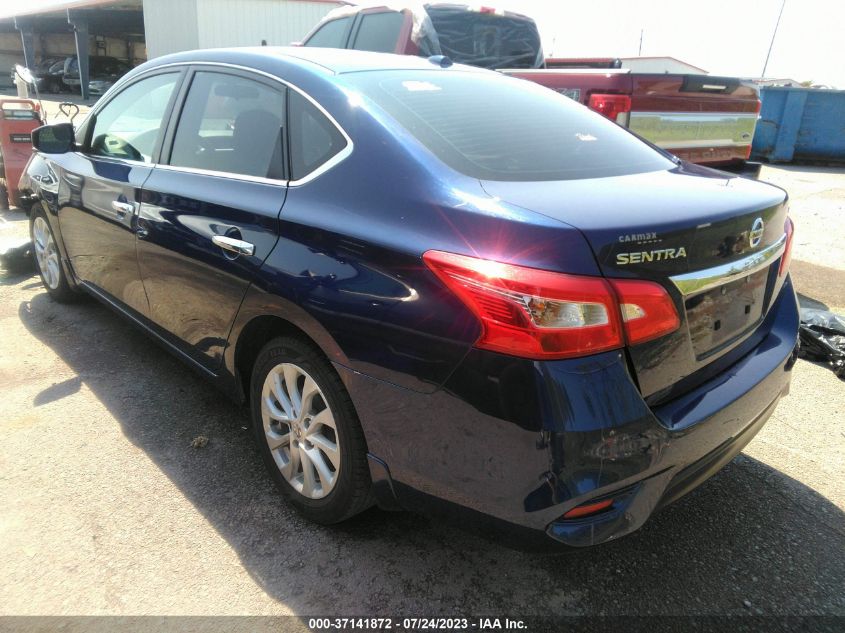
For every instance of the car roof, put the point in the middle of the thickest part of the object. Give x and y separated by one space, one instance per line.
320 60
341 61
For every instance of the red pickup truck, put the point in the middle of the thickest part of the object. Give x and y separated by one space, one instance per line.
700 118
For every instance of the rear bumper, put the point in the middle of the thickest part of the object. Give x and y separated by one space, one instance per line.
515 444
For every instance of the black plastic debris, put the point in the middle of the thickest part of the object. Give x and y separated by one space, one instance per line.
822 335
17 258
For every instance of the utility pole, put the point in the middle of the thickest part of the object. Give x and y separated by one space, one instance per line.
640 52
772 43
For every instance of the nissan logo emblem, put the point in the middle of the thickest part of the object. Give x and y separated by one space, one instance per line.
756 235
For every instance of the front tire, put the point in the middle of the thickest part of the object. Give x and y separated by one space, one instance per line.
47 258
308 432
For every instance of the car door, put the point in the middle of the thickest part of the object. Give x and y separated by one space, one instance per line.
99 186
210 212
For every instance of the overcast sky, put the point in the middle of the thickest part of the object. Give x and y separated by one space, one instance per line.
727 37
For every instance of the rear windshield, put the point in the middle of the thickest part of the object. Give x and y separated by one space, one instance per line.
493 127
486 39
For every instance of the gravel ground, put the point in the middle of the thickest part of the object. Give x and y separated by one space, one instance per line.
106 508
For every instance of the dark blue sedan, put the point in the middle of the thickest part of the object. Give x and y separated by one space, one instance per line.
436 287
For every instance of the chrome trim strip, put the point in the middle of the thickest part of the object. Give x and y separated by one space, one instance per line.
686 116
703 280
334 160
557 71
116 161
718 143
221 174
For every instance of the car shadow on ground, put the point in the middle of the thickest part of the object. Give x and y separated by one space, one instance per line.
751 540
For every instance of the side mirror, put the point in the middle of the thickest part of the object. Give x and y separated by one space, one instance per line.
54 139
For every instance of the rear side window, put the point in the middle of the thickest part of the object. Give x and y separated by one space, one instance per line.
486 39
493 127
314 140
231 124
331 35
379 32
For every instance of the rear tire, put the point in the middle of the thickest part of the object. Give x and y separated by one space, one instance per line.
308 432
48 262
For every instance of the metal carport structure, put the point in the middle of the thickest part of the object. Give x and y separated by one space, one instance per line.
123 19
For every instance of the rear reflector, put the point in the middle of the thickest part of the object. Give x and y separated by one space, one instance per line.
610 106
532 313
789 227
588 509
647 310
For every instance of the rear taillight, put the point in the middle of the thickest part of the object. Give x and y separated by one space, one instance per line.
532 313
611 106
647 310
539 314
789 227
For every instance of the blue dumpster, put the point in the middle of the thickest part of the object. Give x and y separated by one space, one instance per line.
800 124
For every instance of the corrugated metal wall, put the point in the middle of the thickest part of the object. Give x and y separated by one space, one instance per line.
179 25
170 26
247 22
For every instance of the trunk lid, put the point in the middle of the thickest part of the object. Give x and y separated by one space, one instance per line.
712 240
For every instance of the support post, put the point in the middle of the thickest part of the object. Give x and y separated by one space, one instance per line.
79 22
28 41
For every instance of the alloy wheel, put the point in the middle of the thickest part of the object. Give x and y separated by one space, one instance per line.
300 430
46 253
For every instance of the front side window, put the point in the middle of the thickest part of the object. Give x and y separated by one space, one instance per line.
331 35
129 125
314 140
379 32
231 124
493 127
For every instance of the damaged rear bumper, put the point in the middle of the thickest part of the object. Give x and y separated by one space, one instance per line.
514 445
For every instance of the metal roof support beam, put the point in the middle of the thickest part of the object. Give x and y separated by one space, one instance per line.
26 27
79 22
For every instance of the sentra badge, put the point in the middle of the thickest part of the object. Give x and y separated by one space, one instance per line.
642 257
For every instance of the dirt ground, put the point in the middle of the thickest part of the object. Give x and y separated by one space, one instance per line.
107 508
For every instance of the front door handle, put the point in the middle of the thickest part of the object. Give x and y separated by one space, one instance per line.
122 209
233 245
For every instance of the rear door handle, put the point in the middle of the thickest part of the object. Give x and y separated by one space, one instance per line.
233 245
122 209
